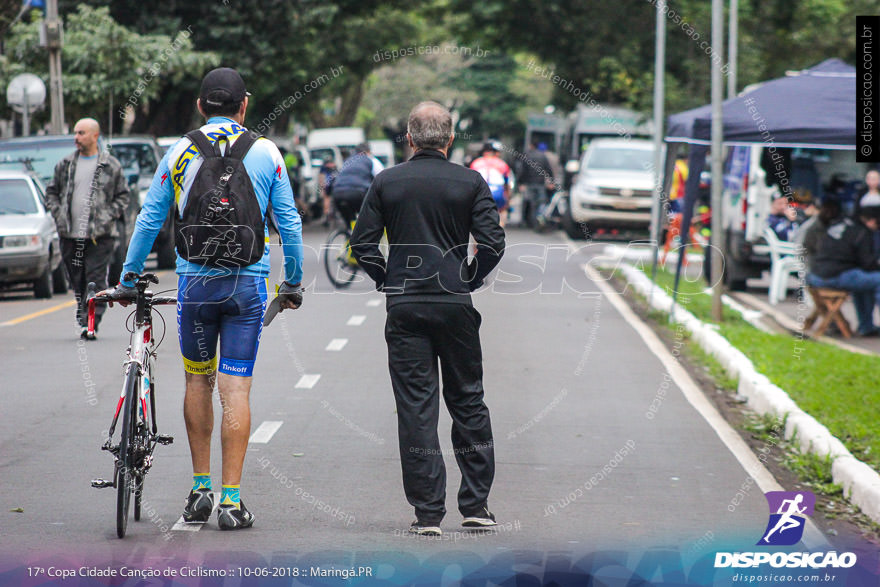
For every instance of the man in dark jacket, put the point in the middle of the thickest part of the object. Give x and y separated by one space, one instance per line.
429 207
845 259
87 195
534 177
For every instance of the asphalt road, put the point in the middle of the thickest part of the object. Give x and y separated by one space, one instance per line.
581 467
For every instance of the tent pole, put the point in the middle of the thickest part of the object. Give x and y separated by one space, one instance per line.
717 137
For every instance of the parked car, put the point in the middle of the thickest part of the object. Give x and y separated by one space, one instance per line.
383 150
30 251
613 187
140 157
42 152
166 143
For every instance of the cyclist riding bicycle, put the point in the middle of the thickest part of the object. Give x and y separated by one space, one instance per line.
224 296
350 186
496 174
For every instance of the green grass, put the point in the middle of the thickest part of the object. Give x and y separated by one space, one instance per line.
814 471
837 387
691 295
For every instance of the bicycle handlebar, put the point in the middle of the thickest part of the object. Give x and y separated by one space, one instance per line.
142 281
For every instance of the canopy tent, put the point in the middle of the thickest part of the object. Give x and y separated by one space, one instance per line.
812 108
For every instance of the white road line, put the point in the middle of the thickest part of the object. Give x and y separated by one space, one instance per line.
181 526
307 381
356 320
374 303
264 433
337 344
813 538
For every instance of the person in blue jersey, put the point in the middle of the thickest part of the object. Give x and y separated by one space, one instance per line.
224 303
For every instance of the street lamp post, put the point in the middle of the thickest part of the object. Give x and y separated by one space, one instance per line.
717 136
659 90
732 50
52 35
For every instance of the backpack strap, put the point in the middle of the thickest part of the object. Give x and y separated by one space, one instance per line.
203 144
242 144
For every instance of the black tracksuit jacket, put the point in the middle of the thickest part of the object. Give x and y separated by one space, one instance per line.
428 206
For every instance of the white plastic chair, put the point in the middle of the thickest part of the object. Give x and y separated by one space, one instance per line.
785 258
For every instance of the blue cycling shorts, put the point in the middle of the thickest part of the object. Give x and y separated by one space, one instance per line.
229 308
498 196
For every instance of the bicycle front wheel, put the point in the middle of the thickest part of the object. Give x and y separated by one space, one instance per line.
338 262
125 461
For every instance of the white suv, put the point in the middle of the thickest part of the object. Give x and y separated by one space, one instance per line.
613 188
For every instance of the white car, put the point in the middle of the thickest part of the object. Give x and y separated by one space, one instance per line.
613 188
30 252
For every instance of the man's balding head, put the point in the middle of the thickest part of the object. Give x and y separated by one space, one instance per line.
429 126
86 132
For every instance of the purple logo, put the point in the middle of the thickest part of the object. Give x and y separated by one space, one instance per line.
788 516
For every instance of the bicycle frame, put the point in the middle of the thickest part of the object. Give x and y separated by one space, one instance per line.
133 455
140 355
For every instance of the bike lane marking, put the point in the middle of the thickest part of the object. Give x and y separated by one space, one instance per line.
181 526
813 537
265 432
39 313
307 381
337 344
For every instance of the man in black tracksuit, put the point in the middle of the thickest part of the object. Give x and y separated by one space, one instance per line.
429 207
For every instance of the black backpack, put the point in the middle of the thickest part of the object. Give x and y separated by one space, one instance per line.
222 224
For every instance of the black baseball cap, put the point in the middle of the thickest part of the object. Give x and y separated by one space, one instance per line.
222 86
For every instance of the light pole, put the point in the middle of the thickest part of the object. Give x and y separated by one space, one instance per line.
732 41
52 39
659 78
717 137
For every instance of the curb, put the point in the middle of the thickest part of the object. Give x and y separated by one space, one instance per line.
861 483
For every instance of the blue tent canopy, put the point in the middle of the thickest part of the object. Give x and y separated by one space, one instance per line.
815 107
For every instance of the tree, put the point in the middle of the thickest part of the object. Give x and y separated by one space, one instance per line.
607 48
105 65
280 47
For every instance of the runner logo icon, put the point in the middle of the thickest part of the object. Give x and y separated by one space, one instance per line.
788 516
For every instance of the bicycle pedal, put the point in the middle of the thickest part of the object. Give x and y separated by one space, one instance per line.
164 439
101 483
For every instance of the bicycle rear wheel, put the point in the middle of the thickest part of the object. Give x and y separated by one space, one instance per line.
138 493
338 262
125 462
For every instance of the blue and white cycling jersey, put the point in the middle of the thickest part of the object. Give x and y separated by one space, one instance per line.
171 185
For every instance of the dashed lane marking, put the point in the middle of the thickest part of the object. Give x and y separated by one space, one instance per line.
307 381
265 432
356 320
337 344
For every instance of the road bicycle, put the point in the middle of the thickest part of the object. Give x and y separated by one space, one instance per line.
133 453
340 264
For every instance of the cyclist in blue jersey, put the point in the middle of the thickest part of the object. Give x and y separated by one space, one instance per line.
220 302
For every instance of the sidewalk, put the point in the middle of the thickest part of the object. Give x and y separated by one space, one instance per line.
790 313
